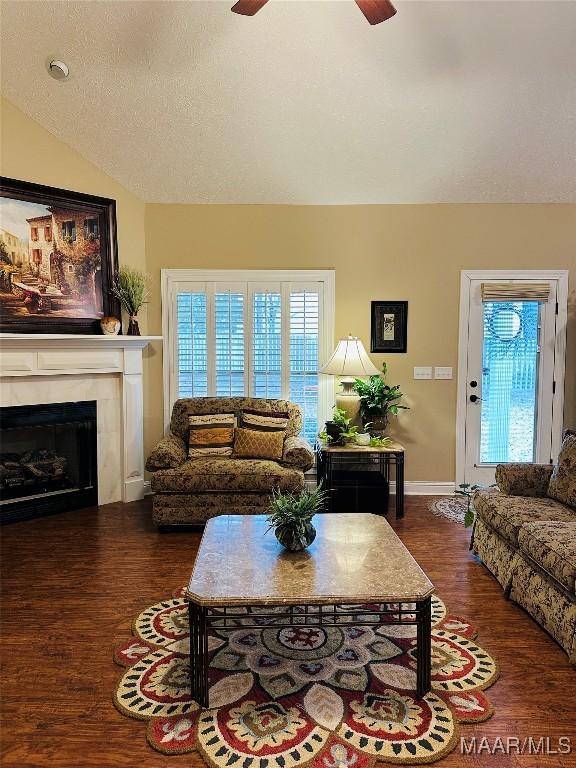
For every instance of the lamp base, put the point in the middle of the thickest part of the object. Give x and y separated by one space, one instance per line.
349 402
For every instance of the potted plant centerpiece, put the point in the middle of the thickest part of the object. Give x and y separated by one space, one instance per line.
377 401
291 517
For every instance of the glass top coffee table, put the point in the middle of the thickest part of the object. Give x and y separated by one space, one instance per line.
357 571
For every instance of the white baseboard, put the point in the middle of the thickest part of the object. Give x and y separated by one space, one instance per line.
132 490
425 488
411 487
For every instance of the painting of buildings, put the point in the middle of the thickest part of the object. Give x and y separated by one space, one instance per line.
14 248
64 254
56 261
56 268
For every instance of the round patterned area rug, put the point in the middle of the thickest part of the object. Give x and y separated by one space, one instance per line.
451 507
324 696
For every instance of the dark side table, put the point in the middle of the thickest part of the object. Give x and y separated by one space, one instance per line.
340 466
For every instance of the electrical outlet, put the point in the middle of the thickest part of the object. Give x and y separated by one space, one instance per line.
423 372
442 373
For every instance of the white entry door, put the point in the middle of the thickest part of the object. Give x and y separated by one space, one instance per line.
511 373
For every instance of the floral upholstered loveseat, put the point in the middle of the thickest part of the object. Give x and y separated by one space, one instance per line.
526 536
191 491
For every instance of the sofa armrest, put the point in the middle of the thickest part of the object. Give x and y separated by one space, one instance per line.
297 453
524 479
169 453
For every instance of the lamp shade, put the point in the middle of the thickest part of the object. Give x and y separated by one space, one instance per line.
350 359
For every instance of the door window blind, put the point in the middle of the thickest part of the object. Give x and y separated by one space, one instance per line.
515 291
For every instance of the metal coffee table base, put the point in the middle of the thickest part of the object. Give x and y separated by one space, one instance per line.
202 619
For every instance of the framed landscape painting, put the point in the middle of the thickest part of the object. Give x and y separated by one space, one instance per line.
389 326
58 257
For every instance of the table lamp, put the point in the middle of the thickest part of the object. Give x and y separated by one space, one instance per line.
349 361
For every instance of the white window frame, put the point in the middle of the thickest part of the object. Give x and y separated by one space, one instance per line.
467 277
170 278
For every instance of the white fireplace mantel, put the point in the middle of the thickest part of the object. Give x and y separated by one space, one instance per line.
73 340
51 368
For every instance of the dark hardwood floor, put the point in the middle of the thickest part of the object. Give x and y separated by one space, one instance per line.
72 583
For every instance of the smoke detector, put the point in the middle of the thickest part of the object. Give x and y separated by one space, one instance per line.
58 69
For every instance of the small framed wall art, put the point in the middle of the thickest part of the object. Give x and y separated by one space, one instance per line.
389 326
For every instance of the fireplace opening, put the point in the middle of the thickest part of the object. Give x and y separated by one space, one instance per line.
47 459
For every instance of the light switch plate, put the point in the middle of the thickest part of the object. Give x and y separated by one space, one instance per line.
443 373
423 372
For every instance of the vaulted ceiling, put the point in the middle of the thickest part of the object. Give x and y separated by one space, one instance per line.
305 102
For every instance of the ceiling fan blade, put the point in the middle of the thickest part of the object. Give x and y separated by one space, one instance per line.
376 11
248 7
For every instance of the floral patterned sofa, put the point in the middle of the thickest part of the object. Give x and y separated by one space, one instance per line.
526 536
191 491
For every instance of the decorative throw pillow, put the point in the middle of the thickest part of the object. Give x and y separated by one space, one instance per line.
264 421
210 435
258 444
562 486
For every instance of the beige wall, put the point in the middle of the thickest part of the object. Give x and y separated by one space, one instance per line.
412 252
31 153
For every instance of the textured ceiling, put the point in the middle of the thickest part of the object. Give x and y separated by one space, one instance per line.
305 102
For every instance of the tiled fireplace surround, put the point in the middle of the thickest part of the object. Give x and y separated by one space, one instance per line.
37 369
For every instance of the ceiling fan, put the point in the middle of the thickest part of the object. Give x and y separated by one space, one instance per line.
374 10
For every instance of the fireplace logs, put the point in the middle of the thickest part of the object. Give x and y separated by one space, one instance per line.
33 468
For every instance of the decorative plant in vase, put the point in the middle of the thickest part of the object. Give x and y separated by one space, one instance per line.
291 517
377 401
338 430
130 287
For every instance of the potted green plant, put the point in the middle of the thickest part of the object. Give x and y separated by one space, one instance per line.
338 430
377 401
290 515
468 491
130 287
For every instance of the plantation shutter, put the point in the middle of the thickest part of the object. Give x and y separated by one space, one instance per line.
303 331
228 342
192 342
266 351
259 339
